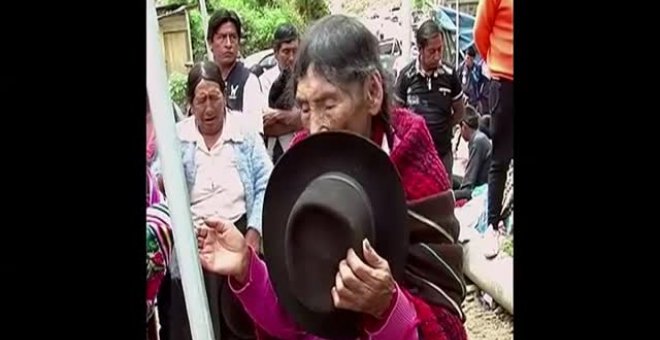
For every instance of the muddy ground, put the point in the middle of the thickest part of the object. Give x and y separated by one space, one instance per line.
485 324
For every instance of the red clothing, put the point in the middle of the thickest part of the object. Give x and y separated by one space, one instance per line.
422 175
413 155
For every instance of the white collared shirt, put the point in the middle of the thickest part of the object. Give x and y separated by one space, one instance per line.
255 99
218 190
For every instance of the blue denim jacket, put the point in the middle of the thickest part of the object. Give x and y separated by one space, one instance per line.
254 168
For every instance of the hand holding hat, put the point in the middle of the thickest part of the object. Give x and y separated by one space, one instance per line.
364 287
222 249
340 196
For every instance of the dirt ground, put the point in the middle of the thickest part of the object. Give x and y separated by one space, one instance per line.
485 324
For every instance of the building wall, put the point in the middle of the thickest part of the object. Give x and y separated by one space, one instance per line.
176 42
464 6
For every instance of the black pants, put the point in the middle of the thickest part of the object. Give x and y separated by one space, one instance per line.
460 194
456 181
172 308
501 128
448 161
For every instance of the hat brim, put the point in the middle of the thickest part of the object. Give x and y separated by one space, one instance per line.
368 165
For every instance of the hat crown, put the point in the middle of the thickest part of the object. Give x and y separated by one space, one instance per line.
303 262
330 216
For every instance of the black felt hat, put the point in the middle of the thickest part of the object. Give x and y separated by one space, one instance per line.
326 194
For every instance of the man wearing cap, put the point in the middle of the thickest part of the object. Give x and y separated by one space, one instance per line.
280 122
243 92
432 90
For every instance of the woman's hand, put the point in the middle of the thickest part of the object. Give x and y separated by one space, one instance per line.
364 287
222 249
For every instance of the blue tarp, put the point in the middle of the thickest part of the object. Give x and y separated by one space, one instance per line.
446 18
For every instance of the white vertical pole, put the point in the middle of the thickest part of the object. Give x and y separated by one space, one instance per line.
205 25
169 149
458 40
407 29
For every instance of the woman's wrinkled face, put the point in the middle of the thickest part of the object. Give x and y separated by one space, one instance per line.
208 106
327 107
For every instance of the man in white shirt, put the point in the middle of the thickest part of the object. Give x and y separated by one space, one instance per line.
280 124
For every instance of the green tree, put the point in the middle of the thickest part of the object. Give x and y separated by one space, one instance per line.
259 19
311 10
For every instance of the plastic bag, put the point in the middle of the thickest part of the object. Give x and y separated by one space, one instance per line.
471 214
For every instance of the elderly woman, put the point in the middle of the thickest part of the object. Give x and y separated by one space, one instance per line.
340 85
227 169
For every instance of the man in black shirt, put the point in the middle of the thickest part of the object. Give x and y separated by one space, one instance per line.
432 90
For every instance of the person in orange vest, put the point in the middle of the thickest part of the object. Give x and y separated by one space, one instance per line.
493 35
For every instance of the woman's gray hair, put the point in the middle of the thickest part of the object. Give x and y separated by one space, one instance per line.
344 52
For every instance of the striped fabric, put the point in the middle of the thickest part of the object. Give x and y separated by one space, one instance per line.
159 242
159 225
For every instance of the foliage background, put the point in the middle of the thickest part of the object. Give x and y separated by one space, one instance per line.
259 19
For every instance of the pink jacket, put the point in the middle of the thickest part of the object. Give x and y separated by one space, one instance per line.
260 302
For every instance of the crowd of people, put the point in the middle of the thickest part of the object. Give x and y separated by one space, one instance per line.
238 125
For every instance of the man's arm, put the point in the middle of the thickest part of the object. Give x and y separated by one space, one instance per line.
280 122
457 99
276 120
483 26
254 102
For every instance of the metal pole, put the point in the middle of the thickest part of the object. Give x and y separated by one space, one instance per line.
185 242
205 24
407 29
458 36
